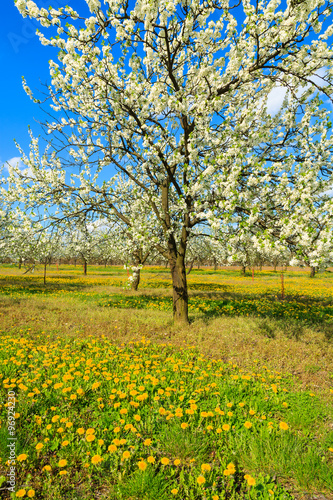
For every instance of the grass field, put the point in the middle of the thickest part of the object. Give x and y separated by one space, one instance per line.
113 401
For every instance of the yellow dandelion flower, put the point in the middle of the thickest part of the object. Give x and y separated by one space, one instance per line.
248 425
165 461
65 443
91 430
90 437
151 460
22 457
96 459
63 472
142 465
20 493
47 468
284 426
251 481
62 463
137 418
201 480
80 431
184 425
126 455
31 493
174 491
205 467
147 442
39 446
176 462
112 448
226 427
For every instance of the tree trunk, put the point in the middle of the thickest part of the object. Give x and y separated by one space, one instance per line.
215 264
136 280
44 277
190 268
275 266
20 263
243 270
84 266
313 271
180 295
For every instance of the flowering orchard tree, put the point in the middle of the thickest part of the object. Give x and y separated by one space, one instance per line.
173 94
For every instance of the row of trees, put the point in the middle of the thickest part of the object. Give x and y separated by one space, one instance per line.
160 122
96 242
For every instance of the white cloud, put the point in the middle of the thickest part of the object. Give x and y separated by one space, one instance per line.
276 96
275 99
14 162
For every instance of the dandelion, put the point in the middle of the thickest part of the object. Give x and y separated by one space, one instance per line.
226 427
142 465
205 467
248 425
63 472
112 448
126 455
215 497
21 493
62 463
39 446
176 462
137 418
151 460
47 468
147 442
80 431
201 480
90 438
251 481
31 493
284 426
22 457
165 461
174 491
96 459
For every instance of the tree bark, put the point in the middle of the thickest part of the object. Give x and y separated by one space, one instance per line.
136 280
313 271
20 263
243 270
44 277
215 264
180 295
190 268
84 266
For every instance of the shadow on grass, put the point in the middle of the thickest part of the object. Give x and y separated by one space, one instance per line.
292 314
33 285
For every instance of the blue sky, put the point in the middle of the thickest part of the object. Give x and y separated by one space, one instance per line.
21 54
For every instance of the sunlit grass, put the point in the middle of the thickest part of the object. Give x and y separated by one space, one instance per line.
70 349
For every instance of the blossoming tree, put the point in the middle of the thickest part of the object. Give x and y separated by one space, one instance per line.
173 94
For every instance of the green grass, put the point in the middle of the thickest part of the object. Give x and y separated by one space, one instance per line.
278 365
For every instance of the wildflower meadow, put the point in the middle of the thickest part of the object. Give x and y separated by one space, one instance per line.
102 415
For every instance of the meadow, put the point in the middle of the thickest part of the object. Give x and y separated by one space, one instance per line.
113 401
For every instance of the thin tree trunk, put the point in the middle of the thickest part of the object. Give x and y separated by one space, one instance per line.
243 270
190 268
313 271
275 266
84 266
44 277
136 280
179 285
215 264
